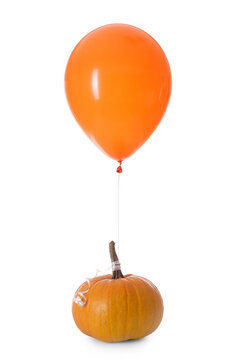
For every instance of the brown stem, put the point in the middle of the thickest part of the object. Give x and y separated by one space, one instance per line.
117 274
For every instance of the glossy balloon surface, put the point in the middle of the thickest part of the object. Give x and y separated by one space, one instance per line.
118 84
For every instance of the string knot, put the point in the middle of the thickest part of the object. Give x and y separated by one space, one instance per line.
116 265
119 169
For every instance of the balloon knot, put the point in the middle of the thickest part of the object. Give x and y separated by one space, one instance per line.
119 169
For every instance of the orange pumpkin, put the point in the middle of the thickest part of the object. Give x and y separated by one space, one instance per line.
116 307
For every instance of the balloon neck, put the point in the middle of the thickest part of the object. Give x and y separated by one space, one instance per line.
119 168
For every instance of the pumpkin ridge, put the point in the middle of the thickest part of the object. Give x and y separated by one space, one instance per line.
144 282
139 304
109 313
148 282
127 307
89 304
131 284
156 291
91 330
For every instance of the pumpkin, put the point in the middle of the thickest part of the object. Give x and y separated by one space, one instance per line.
115 308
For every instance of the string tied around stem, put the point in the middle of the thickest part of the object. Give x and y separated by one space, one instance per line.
80 297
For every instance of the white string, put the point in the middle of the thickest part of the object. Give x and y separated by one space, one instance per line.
80 299
118 212
116 266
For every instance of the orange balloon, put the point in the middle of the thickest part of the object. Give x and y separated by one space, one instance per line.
118 84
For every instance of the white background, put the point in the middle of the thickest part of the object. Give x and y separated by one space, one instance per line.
179 193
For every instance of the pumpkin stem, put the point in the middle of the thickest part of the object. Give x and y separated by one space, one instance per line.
117 273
